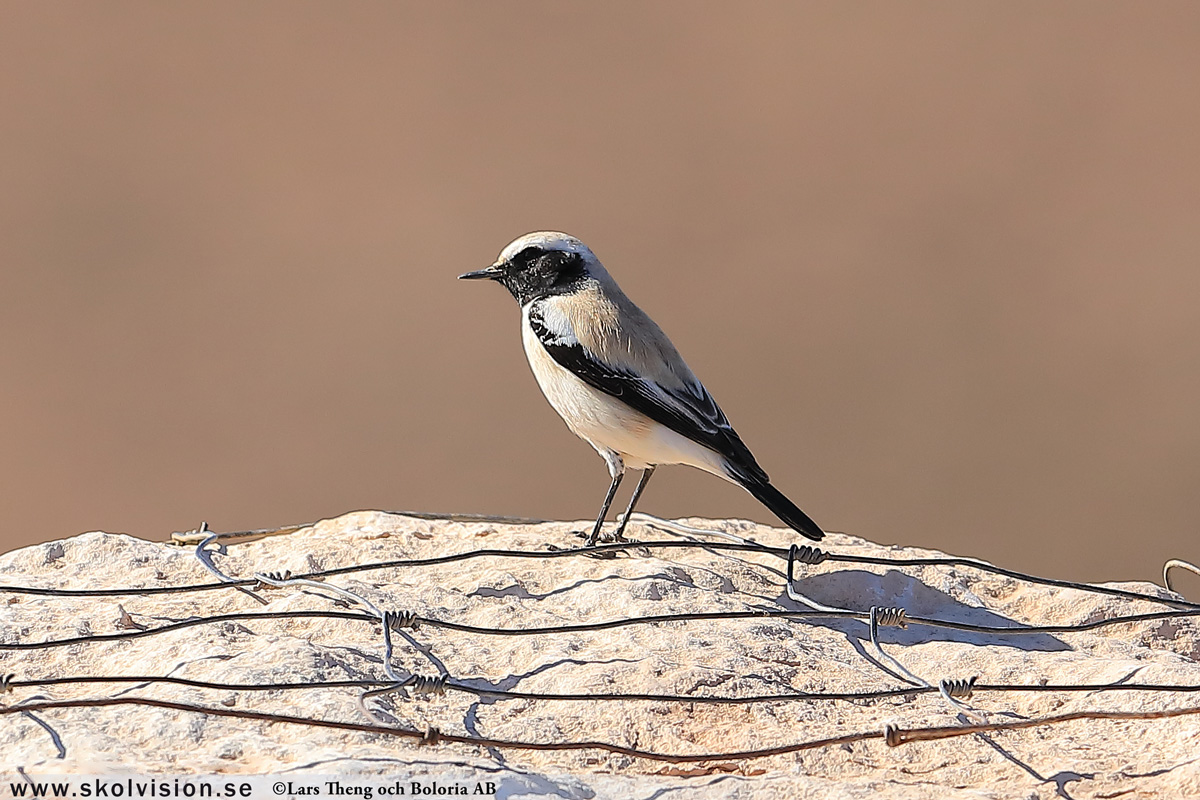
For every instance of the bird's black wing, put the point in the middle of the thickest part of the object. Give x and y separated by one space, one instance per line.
688 410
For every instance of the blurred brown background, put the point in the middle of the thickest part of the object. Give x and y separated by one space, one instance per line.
939 262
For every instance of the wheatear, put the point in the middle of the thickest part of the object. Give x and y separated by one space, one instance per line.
616 379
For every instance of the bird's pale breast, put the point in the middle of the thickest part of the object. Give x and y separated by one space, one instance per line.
607 423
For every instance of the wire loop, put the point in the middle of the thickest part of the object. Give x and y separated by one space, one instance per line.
881 615
1177 563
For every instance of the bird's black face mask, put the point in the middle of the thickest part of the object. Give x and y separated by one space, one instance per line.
534 273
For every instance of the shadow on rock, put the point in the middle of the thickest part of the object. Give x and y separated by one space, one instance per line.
858 590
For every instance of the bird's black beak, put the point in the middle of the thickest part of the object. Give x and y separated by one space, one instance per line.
491 273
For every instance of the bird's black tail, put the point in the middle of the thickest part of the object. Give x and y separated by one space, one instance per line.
780 506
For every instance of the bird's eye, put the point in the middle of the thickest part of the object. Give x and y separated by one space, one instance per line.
528 255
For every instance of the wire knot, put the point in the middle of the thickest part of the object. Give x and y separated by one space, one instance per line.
430 736
961 689
6 682
269 580
807 554
398 620
889 616
893 735
429 684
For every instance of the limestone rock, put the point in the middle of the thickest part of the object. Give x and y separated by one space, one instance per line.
1083 759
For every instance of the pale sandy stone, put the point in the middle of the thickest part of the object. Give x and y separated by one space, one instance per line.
1079 760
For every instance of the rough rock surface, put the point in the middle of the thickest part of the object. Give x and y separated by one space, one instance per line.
1083 759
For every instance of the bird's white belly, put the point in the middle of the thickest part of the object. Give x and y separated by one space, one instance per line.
606 423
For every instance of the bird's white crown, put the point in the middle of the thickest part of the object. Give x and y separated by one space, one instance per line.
553 241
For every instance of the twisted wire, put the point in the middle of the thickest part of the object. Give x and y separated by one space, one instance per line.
508 694
609 548
430 736
398 620
805 554
430 684
272 580
958 689
895 737
889 617
649 619
892 735
896 617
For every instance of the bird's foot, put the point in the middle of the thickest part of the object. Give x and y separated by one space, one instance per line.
603 538
607 538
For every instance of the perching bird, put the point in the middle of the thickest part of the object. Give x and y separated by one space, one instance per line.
616 379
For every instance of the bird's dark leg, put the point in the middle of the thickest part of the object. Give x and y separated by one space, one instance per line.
637 493
612 491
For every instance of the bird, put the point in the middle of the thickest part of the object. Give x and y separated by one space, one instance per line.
616 379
